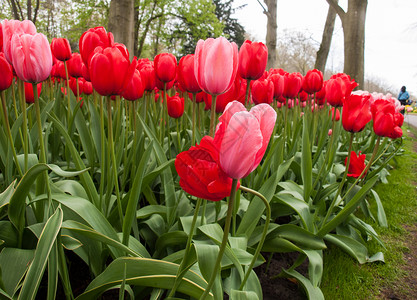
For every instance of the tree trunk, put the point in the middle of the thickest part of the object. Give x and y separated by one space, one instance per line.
121 23
353 23
271 32
326 40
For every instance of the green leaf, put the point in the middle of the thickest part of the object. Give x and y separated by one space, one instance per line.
206 257
145 272
43 249
348 209
14 262
382 218
243 295
299 206
69 242
306 162
299 236
313 292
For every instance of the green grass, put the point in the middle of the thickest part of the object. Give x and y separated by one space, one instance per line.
343 277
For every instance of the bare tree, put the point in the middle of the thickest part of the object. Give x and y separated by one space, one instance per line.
121 22
326 40
353 24
271 31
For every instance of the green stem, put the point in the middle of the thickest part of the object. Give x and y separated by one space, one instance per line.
194 112
264 233
103 153
113 159
178 136
331 207
213 115
217 264
247 92
24 124
183 268
9 133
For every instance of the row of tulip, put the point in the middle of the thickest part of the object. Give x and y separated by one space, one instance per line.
128 203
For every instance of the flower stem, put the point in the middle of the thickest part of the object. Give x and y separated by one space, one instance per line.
213 115
194 112
247 92
183 267
217 264
264 233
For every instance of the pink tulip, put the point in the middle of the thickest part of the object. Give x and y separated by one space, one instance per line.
215 65
14 27
32 57
242 137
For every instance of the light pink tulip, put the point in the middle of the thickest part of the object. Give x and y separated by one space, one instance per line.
32 57
215 65
11 27
243 137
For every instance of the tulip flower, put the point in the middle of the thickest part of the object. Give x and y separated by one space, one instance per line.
74 65
147 73
243 137
61 49
356 112
215 65
278 81
292 84
200 173
6 72
175 106
224 99
332 114
356 165
1 38
263 91
303 96
335 91
29 96
87 88
313 81
165 67
14 27
186 76
110 71
387 120
134 89
32 57
252 60
93 38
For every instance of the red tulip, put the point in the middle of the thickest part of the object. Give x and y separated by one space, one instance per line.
1 38
12 27
356 112
85 72
313 81
32 57
242 137
29 97
292 84
349 83
278 81
200 173
147 73
303 96
335 91
175 106
160 84
321 95
224 99
252 60
262 91
92 38
185 74
331 113
215 65
87 88
75 65
6 72
134 90
387 120
110 71
61 49
165 67
201 97
356 164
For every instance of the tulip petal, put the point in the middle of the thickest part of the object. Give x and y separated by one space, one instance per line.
241 142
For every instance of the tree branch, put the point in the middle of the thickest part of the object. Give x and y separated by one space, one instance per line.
339 10
36 11
266 12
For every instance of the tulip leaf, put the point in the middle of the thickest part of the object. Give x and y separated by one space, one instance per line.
145 272
382 218
313 292
243 295
206 257
306 161
299 236
299 206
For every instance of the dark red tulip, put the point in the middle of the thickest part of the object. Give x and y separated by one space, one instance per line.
110 71
61 49
175 106
185 74
165 67
292 84
313 81
252 60
6 72
134 90
356 112
356 164
92 38
200 173
74 65
29 97
262 91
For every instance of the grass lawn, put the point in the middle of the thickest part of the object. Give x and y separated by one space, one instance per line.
343 277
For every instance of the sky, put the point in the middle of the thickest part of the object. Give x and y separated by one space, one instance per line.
390 34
